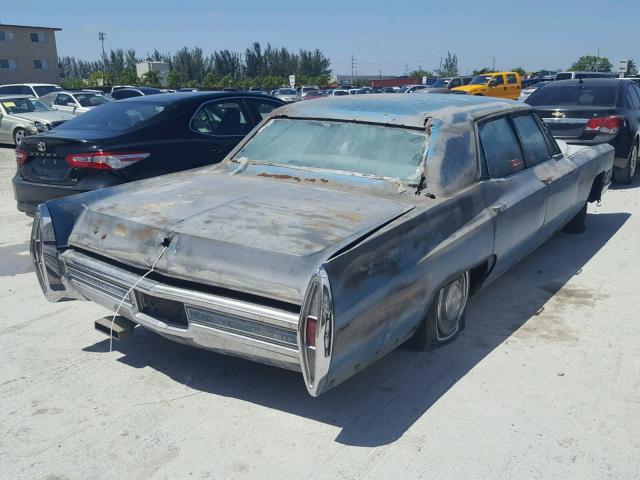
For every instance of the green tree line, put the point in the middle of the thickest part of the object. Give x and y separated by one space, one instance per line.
189 67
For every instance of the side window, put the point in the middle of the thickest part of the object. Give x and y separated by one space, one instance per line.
536 149
63 99
455 82
501 148
225 117
632 97
26 90
261 108
467 80
511 79
499 80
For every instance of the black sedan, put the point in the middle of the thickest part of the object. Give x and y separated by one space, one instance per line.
133 139
594 111
130 92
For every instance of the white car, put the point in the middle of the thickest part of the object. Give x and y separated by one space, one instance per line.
75 102
33 89
524 94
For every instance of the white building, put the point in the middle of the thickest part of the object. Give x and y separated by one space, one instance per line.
161 67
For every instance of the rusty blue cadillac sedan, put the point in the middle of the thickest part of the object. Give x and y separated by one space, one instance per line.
336 231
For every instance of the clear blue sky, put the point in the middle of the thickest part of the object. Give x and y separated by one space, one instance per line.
381 34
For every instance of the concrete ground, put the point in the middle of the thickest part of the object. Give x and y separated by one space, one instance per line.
544 383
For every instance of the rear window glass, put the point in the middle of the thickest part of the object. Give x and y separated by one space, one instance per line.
535 146
116 116
575 95
564 76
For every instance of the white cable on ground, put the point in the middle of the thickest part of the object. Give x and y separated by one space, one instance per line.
153 265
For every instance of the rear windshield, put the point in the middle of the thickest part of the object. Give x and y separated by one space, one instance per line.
91 99
564 76
44 89
574 95
374 150
116 116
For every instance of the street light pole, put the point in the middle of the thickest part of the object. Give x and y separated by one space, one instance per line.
101 37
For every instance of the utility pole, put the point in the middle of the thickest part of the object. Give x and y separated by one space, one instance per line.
354 64
101 37
493 65
380 75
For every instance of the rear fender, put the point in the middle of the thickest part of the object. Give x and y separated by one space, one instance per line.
380 288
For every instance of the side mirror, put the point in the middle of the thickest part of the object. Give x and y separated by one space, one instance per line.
493 82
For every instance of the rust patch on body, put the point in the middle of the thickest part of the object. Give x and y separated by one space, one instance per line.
278 177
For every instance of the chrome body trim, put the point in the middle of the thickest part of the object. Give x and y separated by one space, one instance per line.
577 121
226 325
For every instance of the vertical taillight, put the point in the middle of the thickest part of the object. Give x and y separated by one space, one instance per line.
316 333
21 156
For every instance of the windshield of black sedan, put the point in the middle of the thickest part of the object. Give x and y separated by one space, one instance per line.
115 116
17 106
375 150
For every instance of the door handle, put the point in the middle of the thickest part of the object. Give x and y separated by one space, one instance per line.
499 207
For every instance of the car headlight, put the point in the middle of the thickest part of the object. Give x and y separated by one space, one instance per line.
42 127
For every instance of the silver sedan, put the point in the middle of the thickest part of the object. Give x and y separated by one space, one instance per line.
22 115
75 102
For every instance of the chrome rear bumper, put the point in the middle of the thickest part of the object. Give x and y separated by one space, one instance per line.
205 320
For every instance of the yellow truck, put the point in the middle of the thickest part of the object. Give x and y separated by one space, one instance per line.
496 84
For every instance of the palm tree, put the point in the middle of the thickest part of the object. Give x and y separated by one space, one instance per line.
151 78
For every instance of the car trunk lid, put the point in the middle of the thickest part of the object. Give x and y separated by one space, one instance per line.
570 122
45 162
249 234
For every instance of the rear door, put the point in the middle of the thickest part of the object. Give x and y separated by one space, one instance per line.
514 194
218 126
64 103
499 88
547 163
513 87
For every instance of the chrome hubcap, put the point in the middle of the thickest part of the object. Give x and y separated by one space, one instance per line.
19 137
452 300
633 161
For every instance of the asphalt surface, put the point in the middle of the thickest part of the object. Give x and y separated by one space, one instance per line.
543 383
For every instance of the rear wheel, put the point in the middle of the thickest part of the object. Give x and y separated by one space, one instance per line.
445 317
18 135
625 175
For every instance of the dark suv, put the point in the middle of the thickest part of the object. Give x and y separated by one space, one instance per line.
132 139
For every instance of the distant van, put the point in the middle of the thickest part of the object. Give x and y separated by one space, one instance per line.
575 75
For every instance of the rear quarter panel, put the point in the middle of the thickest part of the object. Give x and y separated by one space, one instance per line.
383 286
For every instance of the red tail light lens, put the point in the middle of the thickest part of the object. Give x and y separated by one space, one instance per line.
608 125
105 160
21 156
311 330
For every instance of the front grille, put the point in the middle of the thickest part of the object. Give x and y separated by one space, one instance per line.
88 277
169 311
243 326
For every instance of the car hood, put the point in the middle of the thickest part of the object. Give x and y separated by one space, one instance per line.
44 117
254 235
470 88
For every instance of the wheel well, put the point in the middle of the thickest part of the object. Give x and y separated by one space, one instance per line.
595 195
478 273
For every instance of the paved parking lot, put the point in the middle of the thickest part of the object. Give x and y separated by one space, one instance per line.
544 383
